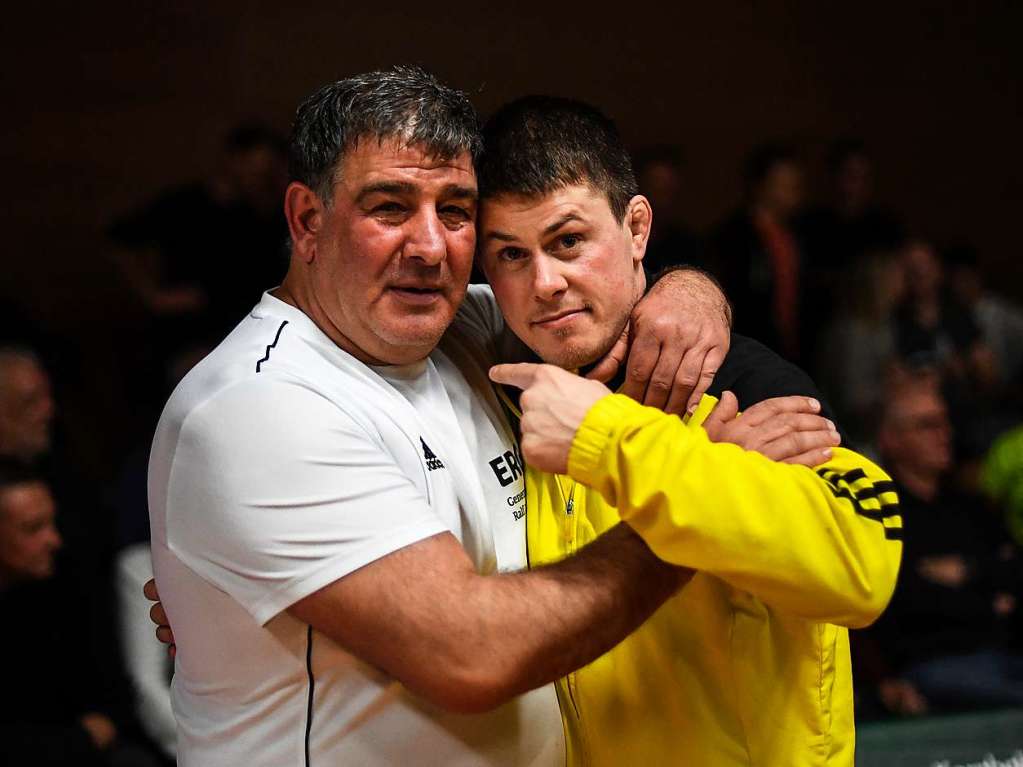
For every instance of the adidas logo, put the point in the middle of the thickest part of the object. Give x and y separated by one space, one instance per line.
432 461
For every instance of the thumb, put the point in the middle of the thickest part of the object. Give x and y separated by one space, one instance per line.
724 411
608 365
521 374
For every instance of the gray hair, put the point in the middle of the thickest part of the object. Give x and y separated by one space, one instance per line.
403 102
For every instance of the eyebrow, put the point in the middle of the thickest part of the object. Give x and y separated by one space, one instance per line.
405 187
549 230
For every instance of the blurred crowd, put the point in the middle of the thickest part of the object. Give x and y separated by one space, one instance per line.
919 356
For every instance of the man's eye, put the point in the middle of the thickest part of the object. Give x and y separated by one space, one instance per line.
387 208
511 254
456 212
569 241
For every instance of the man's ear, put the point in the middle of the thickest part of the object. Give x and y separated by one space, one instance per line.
304 212
639 217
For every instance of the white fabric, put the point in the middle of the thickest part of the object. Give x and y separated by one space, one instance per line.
267 485
145 658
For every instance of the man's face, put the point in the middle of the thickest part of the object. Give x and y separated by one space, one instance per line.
26 408
394 249
28 534
782 189
565 271
918 432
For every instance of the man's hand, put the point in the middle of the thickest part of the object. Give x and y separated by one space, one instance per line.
101 730
786 429
554 403
901 697
949 570
159 617
676 339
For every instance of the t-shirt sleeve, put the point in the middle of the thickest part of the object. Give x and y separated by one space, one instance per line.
275 493
480 315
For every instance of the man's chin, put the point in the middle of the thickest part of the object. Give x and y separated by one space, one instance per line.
570 356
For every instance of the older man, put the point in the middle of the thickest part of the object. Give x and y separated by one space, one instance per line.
336 503
749 663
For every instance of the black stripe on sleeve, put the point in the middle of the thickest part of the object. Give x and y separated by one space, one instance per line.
893 533
271 346
884 486
854 475
886 511
312 683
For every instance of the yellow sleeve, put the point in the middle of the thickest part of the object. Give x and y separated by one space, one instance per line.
822 543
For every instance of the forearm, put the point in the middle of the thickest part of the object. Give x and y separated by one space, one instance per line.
820 546
469 642
540 625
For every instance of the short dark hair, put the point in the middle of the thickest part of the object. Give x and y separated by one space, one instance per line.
403 102
537 144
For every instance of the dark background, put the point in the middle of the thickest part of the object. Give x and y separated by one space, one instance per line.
108 103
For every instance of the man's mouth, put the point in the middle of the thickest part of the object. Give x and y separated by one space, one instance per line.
556 319
419 294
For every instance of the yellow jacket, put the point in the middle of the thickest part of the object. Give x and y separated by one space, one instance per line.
749 663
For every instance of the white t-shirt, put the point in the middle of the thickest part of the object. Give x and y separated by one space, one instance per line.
281 464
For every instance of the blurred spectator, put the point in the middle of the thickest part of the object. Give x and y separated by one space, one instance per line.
659 174
756 255
146 660
200 255
946 632
26 406
59 705
859 346
932 329
851 224
999 320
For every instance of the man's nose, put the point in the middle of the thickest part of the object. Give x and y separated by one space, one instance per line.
426 242
548 278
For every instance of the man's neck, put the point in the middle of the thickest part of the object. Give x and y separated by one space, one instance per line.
924 484
291 292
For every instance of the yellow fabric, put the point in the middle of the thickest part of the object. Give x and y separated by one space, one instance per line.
749 663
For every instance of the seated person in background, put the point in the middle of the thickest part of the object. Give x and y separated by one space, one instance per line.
58 708
933 329
749 663
946 631
859 345
26 406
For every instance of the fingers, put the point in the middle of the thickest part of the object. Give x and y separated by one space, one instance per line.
149 590
606 368
811 458
642 359
781 425
157 615
664 380
687 377
770 408
165 635
521 375
805 446
711 365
